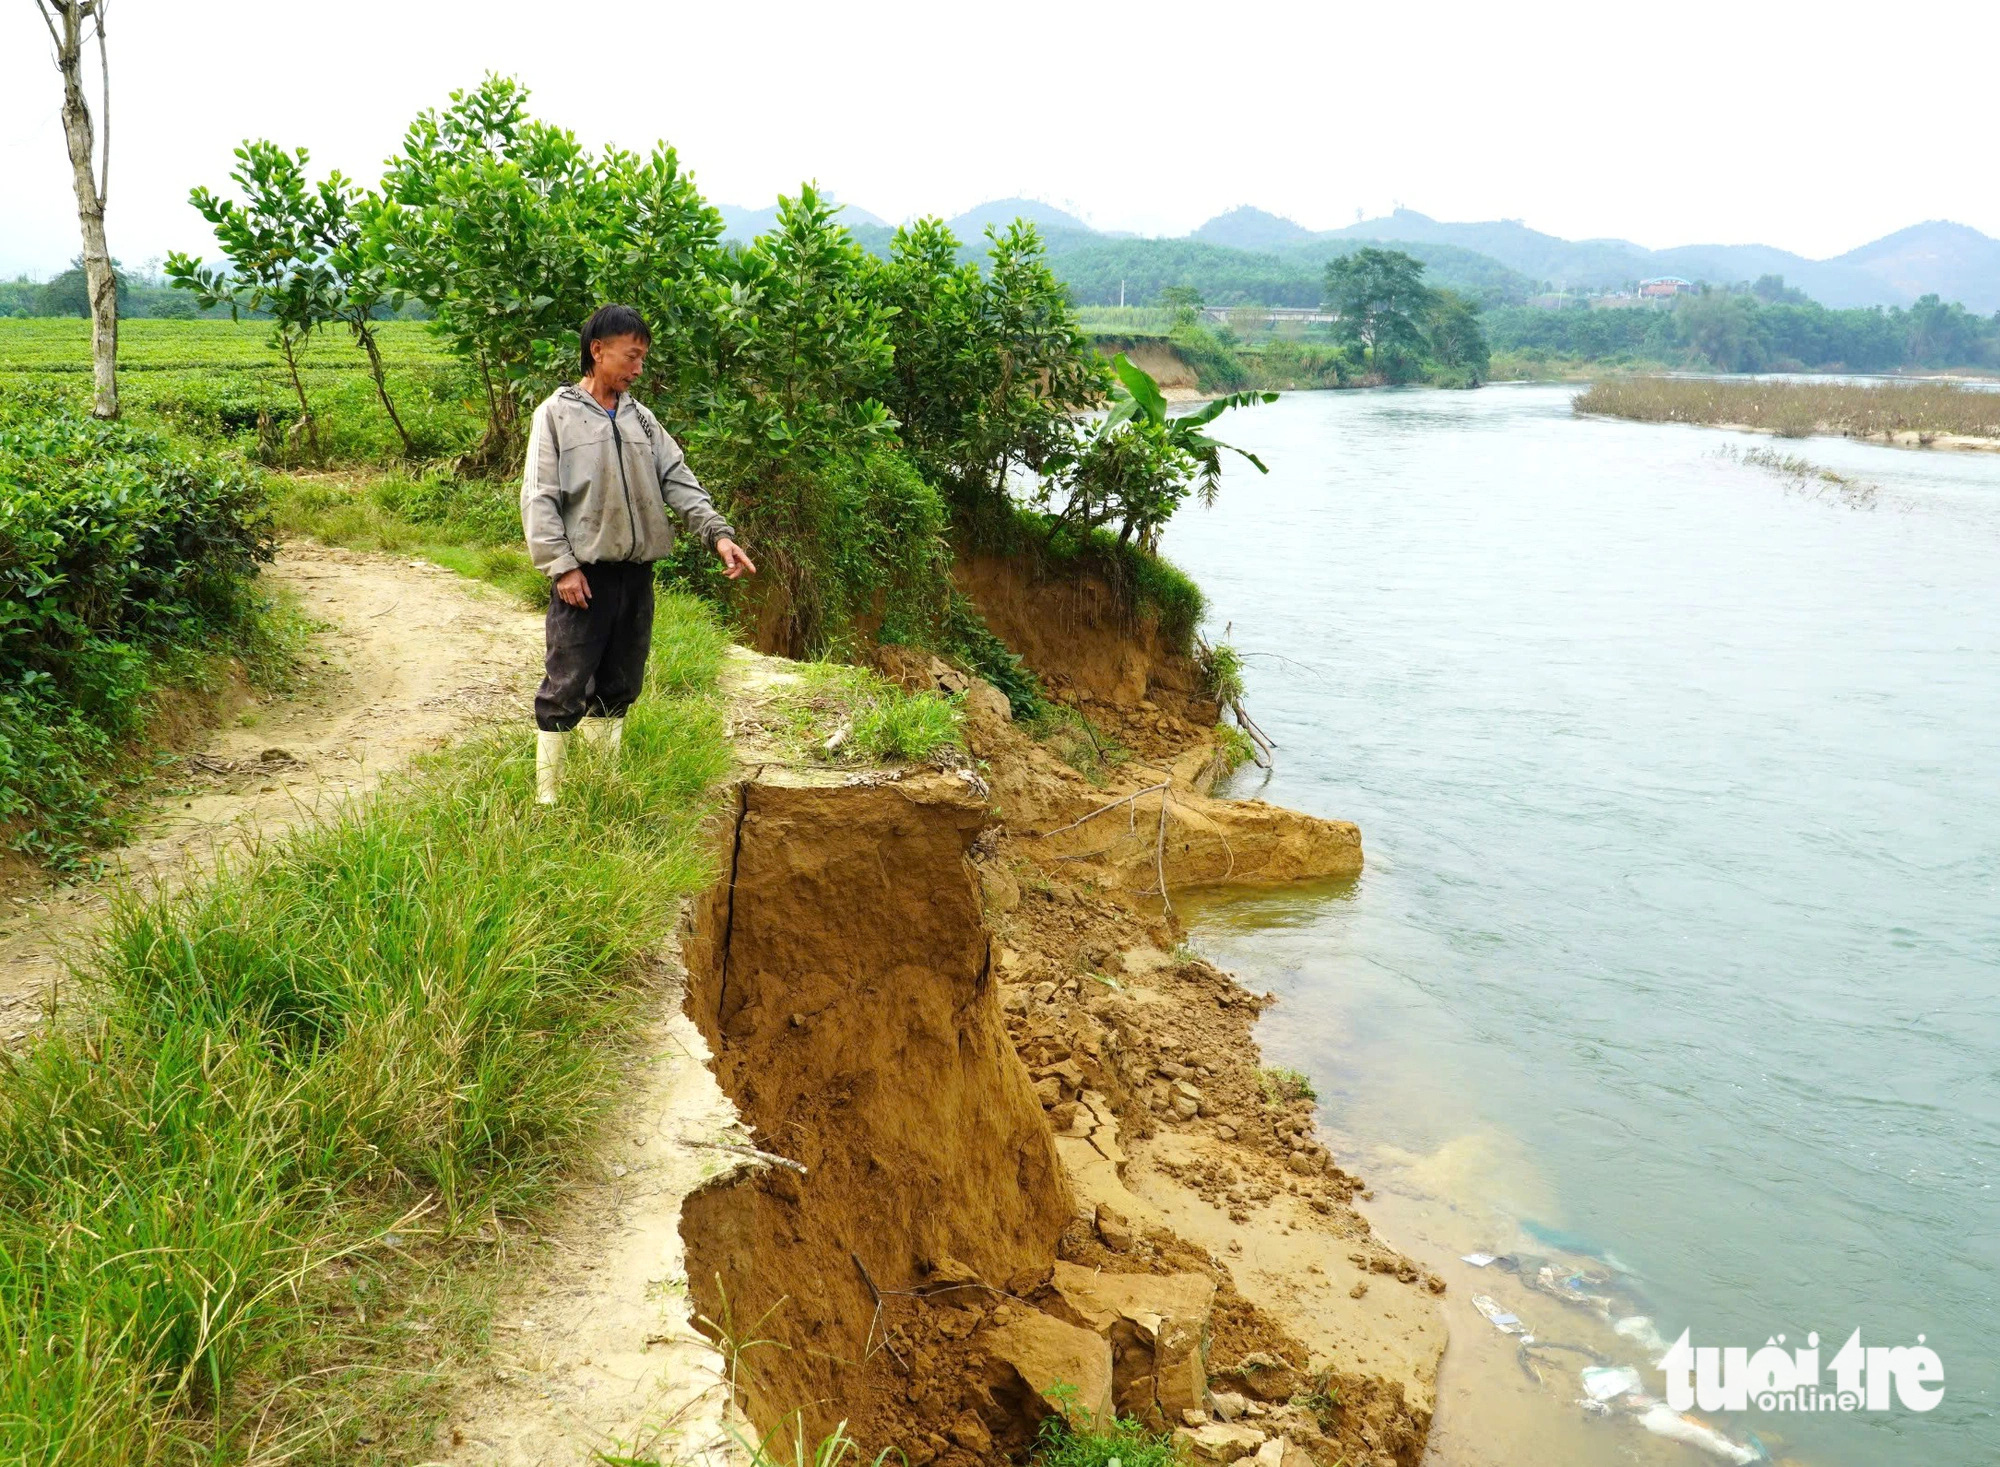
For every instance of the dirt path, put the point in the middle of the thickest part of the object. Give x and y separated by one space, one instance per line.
414 656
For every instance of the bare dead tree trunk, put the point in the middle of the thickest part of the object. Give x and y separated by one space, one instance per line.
71 25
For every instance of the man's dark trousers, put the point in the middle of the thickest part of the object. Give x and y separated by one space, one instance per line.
597 653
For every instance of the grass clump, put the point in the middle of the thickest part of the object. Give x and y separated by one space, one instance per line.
840 714
1062 1442
1797 409
1283 1086
406 1018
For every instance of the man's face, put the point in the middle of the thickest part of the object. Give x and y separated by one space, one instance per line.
620 360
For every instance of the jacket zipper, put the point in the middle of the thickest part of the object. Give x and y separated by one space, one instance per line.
631 516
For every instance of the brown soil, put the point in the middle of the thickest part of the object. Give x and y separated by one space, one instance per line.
411 658
1007 1091
1078 634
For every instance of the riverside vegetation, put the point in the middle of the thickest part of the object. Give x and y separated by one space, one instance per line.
1897 411
298 1092
860 419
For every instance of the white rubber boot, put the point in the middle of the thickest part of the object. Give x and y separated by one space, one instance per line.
605 735
548 765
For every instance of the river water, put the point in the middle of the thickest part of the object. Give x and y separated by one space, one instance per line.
1676 960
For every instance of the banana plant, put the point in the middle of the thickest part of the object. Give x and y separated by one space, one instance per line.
1138 396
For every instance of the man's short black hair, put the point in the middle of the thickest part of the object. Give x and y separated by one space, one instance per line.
608 321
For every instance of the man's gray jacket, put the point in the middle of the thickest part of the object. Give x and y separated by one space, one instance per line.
597 486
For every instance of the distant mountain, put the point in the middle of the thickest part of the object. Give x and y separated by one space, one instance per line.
1950 260
971 225
1936 257
1249 228
743 224
1494 260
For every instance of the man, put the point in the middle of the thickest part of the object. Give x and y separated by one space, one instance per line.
600 477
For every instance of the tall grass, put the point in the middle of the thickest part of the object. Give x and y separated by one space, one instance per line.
413 1012
1797 409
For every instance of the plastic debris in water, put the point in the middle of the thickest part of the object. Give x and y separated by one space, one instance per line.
1608 1382
1500 1319
1663 1420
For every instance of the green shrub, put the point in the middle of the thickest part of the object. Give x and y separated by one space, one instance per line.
970 642
1284 1086
120 555
1216 367
1124 1443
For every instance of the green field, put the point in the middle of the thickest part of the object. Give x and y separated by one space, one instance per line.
222 381
63 345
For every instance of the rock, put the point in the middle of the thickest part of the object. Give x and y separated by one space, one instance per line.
1172 1069
1066 1074
1186 1109
1267 1377
1360 1288
1225 1130
983 700
1155 1325
1062 1117
1113 1230
1048 1092
957 1324
1302 1163
1195 1418
1220 1441
1014 999
948 1270
1227 1405
1032 1353
1183 1088
1044 992
998 886
969 1432
1282 1451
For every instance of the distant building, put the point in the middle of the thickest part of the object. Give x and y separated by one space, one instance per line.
1665 285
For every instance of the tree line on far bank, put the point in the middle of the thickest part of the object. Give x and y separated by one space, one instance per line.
1765 327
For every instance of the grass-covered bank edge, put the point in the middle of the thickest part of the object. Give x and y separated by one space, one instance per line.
404 1020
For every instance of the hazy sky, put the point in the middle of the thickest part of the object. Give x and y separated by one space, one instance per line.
1811 127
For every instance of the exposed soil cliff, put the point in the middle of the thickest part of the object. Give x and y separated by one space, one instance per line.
1030 1144
1082 636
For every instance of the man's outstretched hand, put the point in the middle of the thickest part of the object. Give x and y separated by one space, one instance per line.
735 564
573 588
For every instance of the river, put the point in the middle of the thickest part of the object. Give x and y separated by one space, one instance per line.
1676 959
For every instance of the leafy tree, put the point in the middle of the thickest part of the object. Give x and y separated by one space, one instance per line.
989 366
1380 300
1184 302
1453 336
1723 328
68 294
789 411
481 220
275 241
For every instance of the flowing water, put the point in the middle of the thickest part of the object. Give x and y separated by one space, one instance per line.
1677 955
